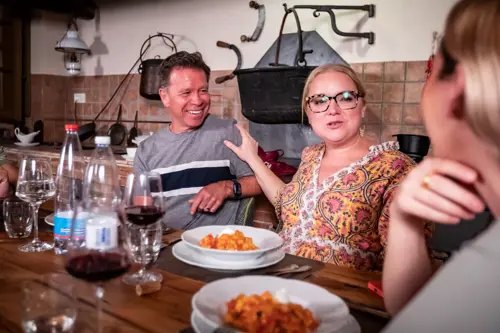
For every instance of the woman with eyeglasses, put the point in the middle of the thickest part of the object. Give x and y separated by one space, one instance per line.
461 111
335 209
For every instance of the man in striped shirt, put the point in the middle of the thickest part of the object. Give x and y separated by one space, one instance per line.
203 181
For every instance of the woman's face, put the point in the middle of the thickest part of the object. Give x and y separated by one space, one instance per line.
336 125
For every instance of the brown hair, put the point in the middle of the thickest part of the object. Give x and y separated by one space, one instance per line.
181 59
331 68
472 39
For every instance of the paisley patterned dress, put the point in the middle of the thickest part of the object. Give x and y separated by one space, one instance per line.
344 220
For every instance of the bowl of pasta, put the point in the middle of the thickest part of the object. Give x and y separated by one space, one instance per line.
232 243
268 304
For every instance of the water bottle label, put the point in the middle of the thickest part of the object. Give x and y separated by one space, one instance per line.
62 226
101 234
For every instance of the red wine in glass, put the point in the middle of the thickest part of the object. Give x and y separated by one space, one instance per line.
97 266
142 205
143 215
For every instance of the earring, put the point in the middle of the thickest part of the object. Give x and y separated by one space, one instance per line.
362 129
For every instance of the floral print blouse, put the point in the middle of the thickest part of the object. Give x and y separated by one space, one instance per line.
344 220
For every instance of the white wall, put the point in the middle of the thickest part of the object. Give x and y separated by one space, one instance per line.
46 30
403 31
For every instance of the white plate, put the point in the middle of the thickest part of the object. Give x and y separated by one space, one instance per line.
31 144
264 239
49 219
128 158
184 253
329 309
140 138
201 325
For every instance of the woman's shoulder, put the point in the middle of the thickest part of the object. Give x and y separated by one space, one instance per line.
388 154
312 151
390 150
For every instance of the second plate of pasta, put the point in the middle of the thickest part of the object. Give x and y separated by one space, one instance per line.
232 242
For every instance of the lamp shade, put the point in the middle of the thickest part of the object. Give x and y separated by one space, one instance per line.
71 43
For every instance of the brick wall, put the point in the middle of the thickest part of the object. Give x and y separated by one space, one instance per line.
393 96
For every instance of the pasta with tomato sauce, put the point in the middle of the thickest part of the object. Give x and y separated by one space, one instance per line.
236 242
264 314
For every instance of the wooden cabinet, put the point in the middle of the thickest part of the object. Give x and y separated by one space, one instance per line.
14 66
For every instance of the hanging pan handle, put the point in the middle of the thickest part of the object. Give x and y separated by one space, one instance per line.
164 37
300 59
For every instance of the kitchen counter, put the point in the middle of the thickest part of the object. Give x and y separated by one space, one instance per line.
14 153
264 211
51 151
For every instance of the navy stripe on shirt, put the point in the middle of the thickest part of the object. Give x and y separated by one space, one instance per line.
198 177
190 178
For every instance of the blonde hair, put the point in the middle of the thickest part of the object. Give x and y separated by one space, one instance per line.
327 69
472 38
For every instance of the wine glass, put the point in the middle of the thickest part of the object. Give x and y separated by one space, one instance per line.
143 205
98 242
35 185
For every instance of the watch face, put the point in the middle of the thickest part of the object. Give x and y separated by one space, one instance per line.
236 188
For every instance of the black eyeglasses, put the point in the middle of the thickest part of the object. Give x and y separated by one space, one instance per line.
345 100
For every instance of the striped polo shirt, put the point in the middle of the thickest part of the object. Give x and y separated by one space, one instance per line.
189 161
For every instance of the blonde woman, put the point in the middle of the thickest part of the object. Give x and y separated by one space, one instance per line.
335 209
461 108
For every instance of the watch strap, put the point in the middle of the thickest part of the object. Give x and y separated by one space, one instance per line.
236 188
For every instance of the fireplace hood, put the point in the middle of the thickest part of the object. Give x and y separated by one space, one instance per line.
271 93
78 9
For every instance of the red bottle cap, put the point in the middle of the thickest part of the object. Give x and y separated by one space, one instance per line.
71 127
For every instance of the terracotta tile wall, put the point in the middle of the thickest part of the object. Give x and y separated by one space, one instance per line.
52 102
393 96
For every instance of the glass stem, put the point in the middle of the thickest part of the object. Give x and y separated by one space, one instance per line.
35 207
142 271
99 293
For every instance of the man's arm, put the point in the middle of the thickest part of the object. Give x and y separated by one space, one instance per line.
249 187
211 197
12 173
139 163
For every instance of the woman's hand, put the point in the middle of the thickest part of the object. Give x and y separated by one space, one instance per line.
249 147
438 190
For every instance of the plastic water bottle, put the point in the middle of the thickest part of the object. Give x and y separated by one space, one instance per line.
68 188
101 190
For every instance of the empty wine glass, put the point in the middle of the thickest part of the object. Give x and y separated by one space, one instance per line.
49 304
35 185
143 205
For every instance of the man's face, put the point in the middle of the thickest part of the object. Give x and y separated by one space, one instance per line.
187 98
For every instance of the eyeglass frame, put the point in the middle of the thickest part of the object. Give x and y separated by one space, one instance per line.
355 93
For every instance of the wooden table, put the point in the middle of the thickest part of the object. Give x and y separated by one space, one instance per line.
168 310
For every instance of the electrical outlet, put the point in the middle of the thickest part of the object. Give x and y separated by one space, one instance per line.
79 98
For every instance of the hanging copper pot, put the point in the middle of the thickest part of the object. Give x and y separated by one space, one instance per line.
149 69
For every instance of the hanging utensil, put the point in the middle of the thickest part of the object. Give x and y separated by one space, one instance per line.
233 47
74 112
150 80
117 132
260 23
133 131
